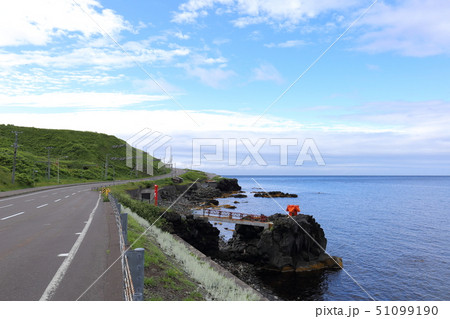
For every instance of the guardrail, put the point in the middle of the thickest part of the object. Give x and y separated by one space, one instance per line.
132 260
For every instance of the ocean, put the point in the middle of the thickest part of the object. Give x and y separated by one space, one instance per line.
392 233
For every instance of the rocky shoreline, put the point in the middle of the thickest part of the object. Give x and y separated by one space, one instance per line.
292 244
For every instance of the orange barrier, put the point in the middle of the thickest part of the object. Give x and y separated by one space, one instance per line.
293 210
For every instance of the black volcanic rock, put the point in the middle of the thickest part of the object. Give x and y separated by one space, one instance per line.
289 243
197 232
284 247
274 194
228 185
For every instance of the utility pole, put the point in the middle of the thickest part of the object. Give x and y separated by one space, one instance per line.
59 158
106 167
15 145
34 176
48 161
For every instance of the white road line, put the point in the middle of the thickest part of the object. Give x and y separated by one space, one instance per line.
53 285
67 196
77 233
34 193
74 193
29 200
7 206
63 255
42 206
57 200
12 216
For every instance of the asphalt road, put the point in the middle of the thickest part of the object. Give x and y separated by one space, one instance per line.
55 243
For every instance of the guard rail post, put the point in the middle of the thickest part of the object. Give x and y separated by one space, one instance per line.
124 223
136 263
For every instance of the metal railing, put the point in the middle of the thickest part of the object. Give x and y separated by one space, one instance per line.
132 260
234 215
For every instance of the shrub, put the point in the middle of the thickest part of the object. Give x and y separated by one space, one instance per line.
24 179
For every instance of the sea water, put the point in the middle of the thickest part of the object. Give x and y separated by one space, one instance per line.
392 233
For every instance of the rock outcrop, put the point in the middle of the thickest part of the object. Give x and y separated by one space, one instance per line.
197 232
274 194
227 185
284 247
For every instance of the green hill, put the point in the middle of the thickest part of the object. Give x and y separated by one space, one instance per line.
81 157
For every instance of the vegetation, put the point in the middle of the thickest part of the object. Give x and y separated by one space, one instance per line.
153 214
159 244
75 156
164 280
193 175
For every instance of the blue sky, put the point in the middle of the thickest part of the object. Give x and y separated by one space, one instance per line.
377 102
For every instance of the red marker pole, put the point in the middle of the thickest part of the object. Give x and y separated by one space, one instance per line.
156 195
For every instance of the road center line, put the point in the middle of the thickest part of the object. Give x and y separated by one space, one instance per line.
53 285
12 216
7 206
42 206
29 200
67 196
57 200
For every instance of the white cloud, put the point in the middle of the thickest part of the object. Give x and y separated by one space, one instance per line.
172 122
213 77
267 72
425 120
106 58
210 71
38 80
188 16
149 86
221 41
413 28
180 35
286 44
361 145
24 22
92 100
280 12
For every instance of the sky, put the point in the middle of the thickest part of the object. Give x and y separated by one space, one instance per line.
297 87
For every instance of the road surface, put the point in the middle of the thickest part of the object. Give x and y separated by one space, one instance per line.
55 243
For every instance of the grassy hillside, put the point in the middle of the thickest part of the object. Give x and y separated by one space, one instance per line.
81 157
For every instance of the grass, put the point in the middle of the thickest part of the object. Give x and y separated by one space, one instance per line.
79 157
217 285
163 281
164 276
193 175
